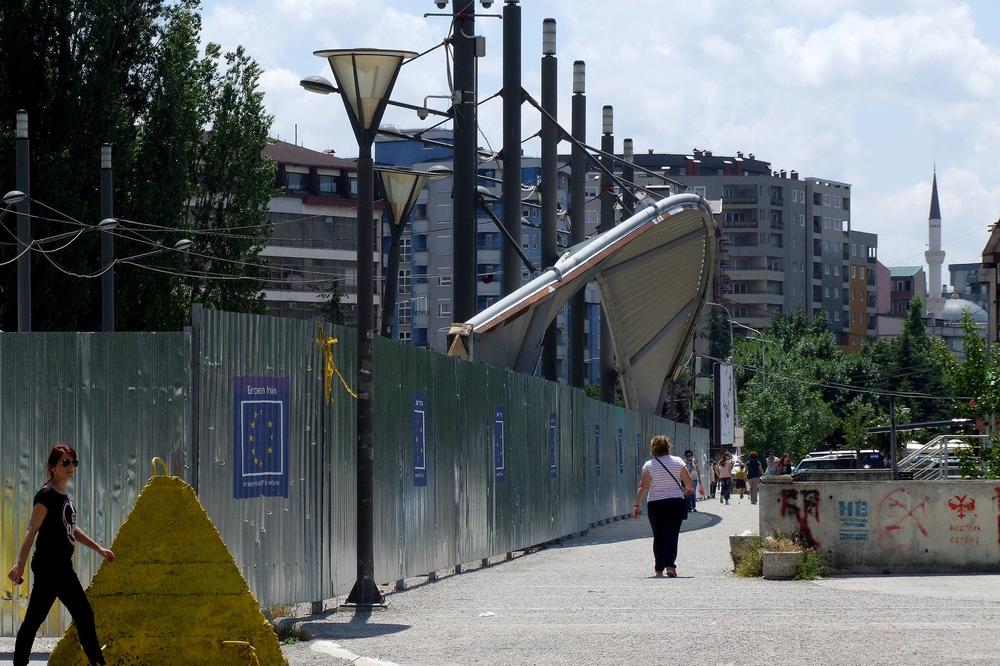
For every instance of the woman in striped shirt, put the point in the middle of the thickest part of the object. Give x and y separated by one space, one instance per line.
665 483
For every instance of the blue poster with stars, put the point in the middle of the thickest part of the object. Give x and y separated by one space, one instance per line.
260 437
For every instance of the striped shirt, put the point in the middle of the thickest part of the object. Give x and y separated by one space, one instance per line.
662 485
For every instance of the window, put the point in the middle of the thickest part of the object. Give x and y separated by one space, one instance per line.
405 250
406 313
826 223
826 269
327 184
404 280
802 219
853 272
297 181
836 270
861 272
444 280
404 336
836 315
836 202
444 309
826 200
899 285
700 190
826 292
354 186
854 249
420 212
795 196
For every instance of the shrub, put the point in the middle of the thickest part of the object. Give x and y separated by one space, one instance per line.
811 567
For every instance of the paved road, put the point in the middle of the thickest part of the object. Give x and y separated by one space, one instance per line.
593 600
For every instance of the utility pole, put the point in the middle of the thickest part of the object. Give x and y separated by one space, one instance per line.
550 143
22 156
465 161
608 375
578 219
892 437
512 99
107 244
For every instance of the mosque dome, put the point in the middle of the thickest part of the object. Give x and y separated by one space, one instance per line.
954 307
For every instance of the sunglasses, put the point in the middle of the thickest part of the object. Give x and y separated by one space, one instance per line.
67 462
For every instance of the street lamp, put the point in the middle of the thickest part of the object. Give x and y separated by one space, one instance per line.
402 187
364 78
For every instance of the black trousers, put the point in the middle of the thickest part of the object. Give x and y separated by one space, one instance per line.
665 517
727 488
51 582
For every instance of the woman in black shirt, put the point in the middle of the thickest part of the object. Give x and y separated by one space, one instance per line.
53 520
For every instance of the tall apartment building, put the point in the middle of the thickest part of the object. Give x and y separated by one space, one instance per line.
314 235
966 282
788 239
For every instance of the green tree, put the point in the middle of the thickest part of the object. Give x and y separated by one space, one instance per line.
95 71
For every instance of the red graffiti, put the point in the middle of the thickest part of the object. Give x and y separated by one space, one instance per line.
962 506
809 507
899 514
997 491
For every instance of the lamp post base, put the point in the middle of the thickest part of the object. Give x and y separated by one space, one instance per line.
364 595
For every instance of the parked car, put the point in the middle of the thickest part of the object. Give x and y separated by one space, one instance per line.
842 459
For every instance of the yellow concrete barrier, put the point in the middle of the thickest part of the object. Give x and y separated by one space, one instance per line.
174 595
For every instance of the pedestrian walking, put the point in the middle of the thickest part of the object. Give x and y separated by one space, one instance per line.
665 483
53 521
725 477
713 486
786 464
740 479
754 472
772 464
694 471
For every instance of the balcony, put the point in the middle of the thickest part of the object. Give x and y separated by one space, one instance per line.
486 256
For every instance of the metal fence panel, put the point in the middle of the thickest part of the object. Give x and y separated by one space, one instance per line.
299 548
119 399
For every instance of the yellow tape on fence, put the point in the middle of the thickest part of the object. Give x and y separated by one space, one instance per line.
330 369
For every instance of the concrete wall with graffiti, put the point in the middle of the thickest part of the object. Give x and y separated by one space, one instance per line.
890 526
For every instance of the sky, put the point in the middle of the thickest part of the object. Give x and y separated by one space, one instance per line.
874 94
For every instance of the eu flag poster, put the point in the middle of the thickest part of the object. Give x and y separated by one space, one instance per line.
260 437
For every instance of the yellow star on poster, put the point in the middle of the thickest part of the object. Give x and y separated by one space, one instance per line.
270 450
253 424
270 424
251 437
253 452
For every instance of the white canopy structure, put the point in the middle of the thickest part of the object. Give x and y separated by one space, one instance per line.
654 271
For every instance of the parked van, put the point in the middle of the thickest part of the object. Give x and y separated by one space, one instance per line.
842 459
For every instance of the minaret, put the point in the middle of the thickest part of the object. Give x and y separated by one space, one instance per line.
934 255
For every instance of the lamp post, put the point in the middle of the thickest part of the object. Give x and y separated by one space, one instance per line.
402 187
365 78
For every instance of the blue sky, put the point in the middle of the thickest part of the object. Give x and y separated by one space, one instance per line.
869 93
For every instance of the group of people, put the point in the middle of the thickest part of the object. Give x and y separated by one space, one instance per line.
669 483
729 473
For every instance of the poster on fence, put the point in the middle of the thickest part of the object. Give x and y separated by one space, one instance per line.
419 438
260 437
498 444
553 431
597 447
620 452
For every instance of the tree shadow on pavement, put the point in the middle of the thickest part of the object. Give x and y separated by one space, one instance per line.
358 626
628 529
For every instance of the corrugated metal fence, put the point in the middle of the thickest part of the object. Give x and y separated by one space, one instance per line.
471 461
119 399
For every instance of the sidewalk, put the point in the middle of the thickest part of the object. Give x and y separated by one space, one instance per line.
593 600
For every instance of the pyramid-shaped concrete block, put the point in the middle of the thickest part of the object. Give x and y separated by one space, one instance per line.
175 594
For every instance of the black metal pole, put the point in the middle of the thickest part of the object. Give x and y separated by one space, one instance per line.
628 175
608 377
365 591
107 243
464 192
550 143
892 437
23 179
511 142
578 219
391 280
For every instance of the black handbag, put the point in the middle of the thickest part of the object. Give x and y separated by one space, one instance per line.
683 494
